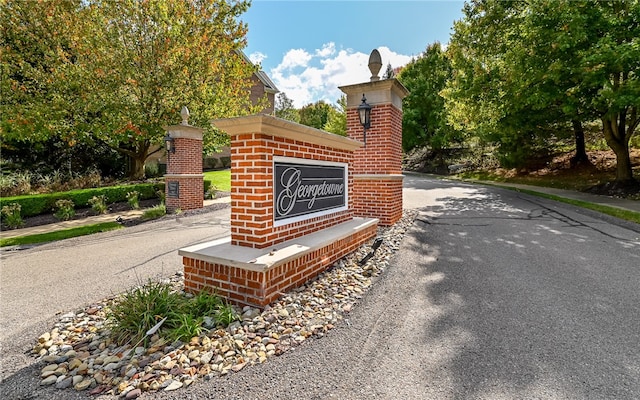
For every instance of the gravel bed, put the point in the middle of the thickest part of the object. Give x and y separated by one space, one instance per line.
77 358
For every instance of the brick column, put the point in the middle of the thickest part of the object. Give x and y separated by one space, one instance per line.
184 184
377 167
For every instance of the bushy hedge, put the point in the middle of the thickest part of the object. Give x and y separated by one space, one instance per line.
44 203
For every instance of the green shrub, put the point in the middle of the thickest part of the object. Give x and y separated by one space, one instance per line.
11 215
7 185
44 203
226 162
133 198
140 309
161 195
98 204
152 170
64 209
154 212
209 189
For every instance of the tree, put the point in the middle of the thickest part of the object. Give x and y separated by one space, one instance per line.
337 118
36 41
389 72
523 68
134 64
424 122
315 114
284 108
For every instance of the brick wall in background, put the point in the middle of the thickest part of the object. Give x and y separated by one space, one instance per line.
184 168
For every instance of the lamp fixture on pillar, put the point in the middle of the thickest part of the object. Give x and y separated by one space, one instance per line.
364 112
169 144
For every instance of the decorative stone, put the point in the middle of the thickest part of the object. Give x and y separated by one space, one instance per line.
311 310
133 394
174 385
50 380
84 385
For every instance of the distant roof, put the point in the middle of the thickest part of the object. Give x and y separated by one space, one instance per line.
269 86
268 83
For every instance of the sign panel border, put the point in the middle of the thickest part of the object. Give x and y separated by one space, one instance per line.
310 163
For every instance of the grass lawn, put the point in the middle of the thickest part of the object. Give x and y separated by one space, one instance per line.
220 179
59 235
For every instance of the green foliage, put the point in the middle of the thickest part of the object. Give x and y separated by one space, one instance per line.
133 198
389 72
100 71
315 114
152 170
11 215
15 184
162 195
523 68
226 315
184 326
337 118
154 212
209 189
284 108
98 204
60 235
424 122
44 203
64 209
139 309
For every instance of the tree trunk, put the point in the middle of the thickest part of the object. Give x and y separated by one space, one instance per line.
619 142
580 158
137 167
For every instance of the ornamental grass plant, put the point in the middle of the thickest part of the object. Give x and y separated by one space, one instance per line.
11 215
138 310
64 209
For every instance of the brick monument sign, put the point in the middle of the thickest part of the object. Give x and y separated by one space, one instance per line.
301 198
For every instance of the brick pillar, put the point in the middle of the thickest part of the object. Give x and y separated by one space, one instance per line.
377 166
184 184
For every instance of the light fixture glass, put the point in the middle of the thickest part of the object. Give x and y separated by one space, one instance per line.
364 112
169 144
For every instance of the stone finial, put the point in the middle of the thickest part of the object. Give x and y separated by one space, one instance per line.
375 63
184 113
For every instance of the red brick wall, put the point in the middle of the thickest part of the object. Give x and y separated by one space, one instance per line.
252 211
191 193
381 196
188 157
186 161
378 198
383 151
245 287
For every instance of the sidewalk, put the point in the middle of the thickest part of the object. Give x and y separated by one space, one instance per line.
97 219
624 204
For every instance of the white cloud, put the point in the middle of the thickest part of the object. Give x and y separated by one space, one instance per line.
327 50
294 58
306 78
257 57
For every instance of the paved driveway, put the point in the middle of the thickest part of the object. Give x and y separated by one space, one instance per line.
39 283
492 295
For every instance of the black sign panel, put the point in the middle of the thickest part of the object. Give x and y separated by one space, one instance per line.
303 189
173 189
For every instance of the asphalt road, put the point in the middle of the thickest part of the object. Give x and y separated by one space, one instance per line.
493 295
40 283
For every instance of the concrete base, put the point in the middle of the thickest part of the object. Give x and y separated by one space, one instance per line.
257 277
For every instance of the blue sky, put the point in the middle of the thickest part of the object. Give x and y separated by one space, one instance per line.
310 47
